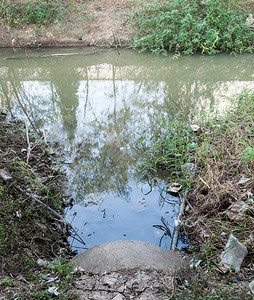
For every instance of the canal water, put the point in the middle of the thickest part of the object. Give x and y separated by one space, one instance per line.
94 106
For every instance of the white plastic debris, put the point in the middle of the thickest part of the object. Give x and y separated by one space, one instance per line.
177 222
53 290
243 180
233 254
250 20
42 262
251 285
78 270
189 167
192 145
174 188
195 127
18 214
237 210
195 263
5 175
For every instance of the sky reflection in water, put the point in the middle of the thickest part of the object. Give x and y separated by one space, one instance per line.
96 107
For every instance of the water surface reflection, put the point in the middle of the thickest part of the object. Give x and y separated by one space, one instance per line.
96 107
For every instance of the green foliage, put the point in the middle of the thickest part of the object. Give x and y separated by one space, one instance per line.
189 26
40 12
169 149
7 282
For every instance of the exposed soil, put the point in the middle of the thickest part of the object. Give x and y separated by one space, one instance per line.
86 23
92 23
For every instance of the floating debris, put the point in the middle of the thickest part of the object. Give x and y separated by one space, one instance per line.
174 188
91 199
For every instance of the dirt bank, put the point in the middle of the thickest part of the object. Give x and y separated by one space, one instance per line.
89 23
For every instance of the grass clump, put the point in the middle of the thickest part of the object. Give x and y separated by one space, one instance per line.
13 12
190 26
169 150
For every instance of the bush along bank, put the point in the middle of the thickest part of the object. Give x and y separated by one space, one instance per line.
194 26
220 195
33 235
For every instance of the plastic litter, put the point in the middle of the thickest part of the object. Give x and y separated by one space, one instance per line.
174 188
237 210
251 285
205 233
192 145
18 214
194 127
250 20
53 290
189 167
195 263
5 175
243 180
233 254
42 262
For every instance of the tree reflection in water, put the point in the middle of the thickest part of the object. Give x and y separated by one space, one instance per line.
97 107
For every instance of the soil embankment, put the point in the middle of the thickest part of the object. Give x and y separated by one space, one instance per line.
90 23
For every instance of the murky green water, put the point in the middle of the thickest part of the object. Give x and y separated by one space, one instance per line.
96 106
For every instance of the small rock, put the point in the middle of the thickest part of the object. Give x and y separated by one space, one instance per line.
119 297
109 280
78 270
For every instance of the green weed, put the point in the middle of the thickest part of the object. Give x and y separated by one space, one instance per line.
39 12
190 26
7 282
169 149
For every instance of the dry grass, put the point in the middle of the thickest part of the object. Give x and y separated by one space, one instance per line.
28 231
222 162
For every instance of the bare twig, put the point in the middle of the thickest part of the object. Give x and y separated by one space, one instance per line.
178 221
29 149
205 183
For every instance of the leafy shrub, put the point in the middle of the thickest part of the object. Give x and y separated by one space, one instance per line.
39 13
187 26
